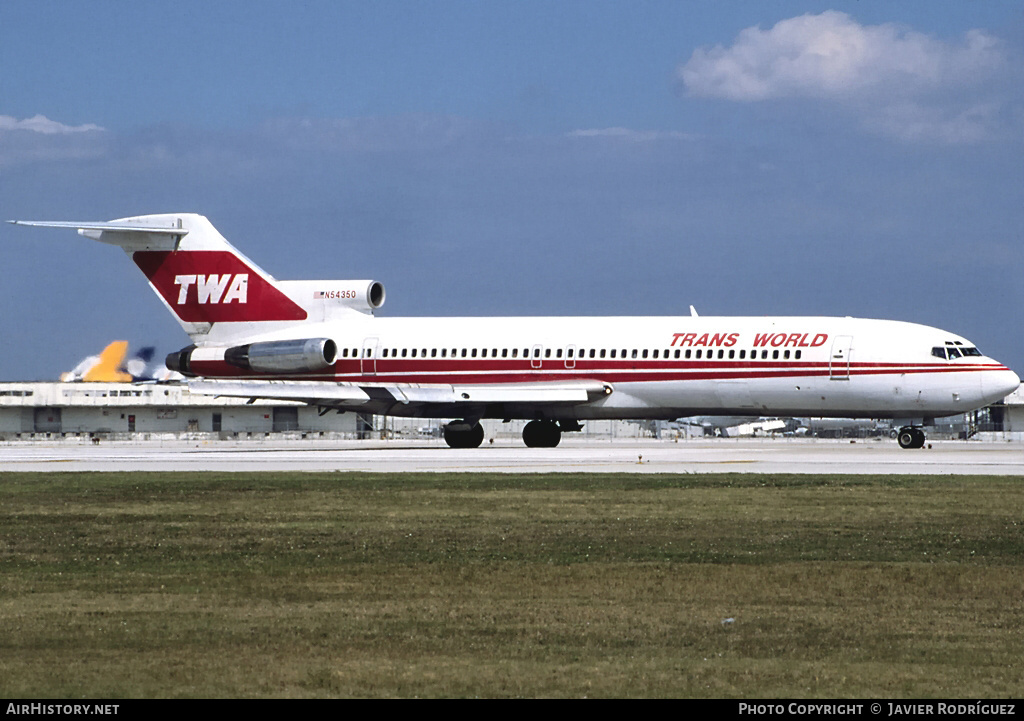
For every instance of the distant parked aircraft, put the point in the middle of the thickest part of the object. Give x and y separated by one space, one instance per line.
110 365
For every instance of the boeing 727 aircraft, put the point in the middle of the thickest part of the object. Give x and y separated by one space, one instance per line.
319 342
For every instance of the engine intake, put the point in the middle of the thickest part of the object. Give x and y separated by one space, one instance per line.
284 356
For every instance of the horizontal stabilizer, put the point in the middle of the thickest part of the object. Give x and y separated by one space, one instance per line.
127 235
114 227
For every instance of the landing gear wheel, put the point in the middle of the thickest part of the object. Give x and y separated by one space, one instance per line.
460 434
910 437
541 434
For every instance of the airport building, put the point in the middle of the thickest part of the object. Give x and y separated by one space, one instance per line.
33 410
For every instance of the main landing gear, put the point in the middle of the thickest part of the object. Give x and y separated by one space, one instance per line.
536 434
542 434
910 437
463 434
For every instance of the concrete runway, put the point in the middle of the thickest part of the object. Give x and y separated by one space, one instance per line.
507 456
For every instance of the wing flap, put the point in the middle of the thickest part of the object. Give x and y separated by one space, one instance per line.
506 393
426 394
309 391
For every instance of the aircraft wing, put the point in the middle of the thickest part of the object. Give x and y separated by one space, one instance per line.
452 396
306 391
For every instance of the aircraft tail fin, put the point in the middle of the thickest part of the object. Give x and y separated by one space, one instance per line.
195 271
108 368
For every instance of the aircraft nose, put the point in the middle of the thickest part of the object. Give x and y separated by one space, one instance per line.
999 384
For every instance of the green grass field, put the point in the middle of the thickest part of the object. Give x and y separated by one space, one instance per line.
307 585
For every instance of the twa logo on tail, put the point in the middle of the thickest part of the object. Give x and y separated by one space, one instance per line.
210 288
214 286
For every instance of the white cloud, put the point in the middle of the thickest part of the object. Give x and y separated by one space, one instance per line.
913 122
374 134
39 139
832 56
42 124
626 134
895 81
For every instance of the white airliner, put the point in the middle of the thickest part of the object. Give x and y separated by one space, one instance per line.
318 341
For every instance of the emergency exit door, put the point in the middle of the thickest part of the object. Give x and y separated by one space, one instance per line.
839 359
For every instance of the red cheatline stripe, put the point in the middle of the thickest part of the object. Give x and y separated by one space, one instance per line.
428 371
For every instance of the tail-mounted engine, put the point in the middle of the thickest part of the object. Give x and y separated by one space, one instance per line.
323 299
306 355
284 356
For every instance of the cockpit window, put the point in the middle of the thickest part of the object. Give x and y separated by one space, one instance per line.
955 349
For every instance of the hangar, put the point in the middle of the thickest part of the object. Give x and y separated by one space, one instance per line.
47 409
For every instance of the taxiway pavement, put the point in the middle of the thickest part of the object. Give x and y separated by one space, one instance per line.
589 456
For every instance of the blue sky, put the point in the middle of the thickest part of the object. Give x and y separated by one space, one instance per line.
526 158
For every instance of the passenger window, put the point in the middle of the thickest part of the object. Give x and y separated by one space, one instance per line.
405 352
698 353
775 355
743 354
515 352
547 352
732 354
798 354
786 355
655 353
613 352
558 353
677 353
413 352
